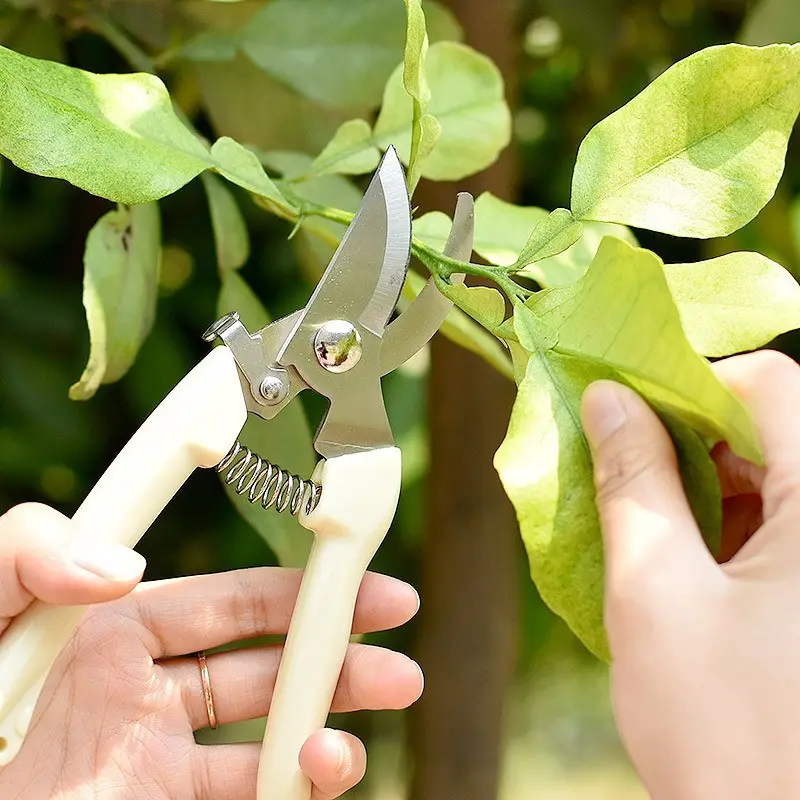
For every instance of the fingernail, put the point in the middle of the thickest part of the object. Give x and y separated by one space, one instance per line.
603 411
343 760
111 562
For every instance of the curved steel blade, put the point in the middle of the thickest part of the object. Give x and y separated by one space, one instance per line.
419 322
366 274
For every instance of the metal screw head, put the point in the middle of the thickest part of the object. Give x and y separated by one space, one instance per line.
220 325
273 389
337 346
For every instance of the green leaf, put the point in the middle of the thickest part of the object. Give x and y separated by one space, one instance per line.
465 332
242 167
285 440
621 313
546 470
554 234
482 303
735 302
120 289
570 265
230 231
700 151
425 129
115 136
502 230
430 131
467 98
414 55
350 152
338 54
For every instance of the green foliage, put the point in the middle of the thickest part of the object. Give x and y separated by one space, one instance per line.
113 135
555 233
121 263
230 230
619 323
339 54
295 85
735 302
700 151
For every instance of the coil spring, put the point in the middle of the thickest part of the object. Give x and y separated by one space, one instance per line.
266 483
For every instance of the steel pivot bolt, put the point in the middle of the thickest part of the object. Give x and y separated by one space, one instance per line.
337 346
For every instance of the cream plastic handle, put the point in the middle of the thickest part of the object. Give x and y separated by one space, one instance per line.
194 426
359 499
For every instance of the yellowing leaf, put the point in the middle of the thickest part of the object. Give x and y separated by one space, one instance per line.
482 303
120 289
735 302
115 136
700 151
230 231
467 98
621 313
546 470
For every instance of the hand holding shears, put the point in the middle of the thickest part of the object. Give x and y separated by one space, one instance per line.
339 345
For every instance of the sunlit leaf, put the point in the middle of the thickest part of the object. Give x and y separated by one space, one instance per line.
482 303
230 231
546 470
241 166
116 136
120 289
554 234
465 332
350 152
430 131
700 151
735 302
502 230
622 313
468 101
285 441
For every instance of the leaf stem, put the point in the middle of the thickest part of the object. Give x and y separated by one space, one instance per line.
121 42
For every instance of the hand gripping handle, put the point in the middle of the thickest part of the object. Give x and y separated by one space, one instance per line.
194 426
359 499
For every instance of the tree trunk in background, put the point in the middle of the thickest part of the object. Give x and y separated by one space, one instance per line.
468 622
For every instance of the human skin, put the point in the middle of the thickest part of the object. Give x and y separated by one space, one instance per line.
117 715
706 653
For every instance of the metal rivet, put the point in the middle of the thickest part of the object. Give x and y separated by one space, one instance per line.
219 326
337 346
273 389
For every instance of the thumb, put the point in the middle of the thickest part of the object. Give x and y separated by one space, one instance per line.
648 526
41 558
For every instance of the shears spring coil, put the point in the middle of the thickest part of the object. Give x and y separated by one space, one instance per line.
266 483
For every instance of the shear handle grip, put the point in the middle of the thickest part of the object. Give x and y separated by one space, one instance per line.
359 499
194 426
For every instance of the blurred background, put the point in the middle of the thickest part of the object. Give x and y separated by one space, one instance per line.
514 706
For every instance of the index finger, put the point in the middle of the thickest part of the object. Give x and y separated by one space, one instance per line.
769 384
205 611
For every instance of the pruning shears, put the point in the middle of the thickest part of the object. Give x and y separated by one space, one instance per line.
339 345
